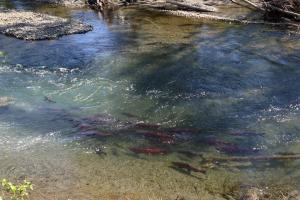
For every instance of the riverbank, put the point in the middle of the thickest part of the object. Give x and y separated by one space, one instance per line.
35 26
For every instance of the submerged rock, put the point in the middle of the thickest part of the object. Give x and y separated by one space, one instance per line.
35 26
5 101
252 194
100 151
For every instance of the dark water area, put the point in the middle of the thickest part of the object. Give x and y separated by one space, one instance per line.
87 107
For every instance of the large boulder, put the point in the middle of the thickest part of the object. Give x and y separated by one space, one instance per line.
35 26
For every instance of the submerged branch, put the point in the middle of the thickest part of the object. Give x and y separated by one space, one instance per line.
196 15
198 7
253 4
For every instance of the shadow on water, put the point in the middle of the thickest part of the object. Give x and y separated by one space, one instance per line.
226 68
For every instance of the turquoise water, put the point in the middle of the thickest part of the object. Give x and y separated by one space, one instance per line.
200 82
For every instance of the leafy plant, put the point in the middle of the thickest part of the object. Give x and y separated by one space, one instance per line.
2 54
16 192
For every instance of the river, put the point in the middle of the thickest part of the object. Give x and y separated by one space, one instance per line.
205 83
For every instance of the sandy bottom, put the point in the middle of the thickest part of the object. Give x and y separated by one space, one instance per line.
84 175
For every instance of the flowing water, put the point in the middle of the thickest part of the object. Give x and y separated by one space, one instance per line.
199 81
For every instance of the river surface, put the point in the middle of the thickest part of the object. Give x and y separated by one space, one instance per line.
205 85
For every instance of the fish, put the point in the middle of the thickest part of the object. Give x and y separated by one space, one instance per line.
85 127
100 119
184 130
247 133
232 148
184 136
167 140
228 147
96 133
146 126
164 138
76 123
187 167
49 100
103 134
149 150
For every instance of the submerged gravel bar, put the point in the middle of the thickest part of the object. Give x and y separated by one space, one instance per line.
35 26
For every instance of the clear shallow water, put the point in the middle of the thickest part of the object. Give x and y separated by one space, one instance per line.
210 78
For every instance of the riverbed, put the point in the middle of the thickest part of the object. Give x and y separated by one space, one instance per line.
206 79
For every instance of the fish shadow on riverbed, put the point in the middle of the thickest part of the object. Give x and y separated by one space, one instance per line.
185 172
137 156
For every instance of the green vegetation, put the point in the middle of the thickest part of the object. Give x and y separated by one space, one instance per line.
15 192
2 54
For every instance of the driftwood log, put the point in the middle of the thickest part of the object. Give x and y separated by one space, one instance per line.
253 4
286 12
204 16
193 7
244 5
248 4
267 7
